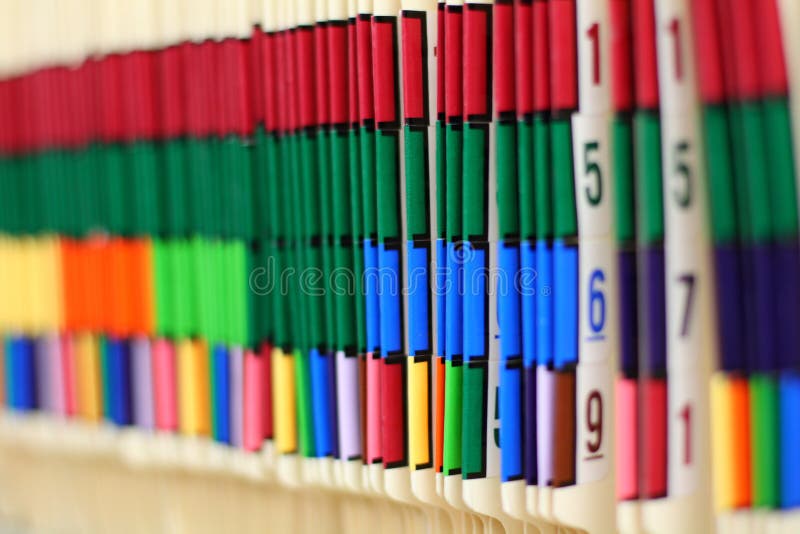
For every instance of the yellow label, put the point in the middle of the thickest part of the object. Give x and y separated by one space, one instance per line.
194 417
721 445
284 411
419 440
87 372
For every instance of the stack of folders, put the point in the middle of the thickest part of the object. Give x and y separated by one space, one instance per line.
517 266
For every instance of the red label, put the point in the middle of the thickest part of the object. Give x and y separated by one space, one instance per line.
414 64
740 60
138 82
393 411
266 407
255 59
645 59
477 56
453 87
384 66
86 84
366 104
337 64
504 60
290 99
523 56
43 128
707 50
654 438
440 61
80 91
621 55
563 56
306 83
541 56
271 80
282 104
352 70
196 64
170 92
6 118
236 81
21 134
322 86
770 50
110 98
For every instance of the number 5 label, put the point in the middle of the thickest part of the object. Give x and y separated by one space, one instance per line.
591 146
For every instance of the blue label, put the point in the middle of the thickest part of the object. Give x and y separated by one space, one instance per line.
758 307
629 363
454 305
653 316
565 304
419 322
9 375
372 305
119 382
23 375
528 278
320 403
391 300
545 306
511 438
730 322
221 395
529 414
787 306
790 439
441 296
508 301
476 285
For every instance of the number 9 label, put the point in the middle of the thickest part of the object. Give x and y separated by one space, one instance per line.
594 406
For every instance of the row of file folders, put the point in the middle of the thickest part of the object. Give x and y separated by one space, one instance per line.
537 260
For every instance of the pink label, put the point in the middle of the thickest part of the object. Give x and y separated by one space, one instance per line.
166 402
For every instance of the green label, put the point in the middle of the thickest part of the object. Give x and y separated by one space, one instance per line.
765 440
451 459
623 180
369 182
441 180
649 190
720 175
476 182
783 189
750 170
454 139
508 189
473 437
564 215
305 420
417 187
526 186
387 170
